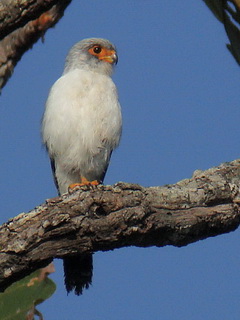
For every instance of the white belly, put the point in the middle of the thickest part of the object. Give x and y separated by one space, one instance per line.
81 120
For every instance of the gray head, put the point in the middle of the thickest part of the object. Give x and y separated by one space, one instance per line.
95 54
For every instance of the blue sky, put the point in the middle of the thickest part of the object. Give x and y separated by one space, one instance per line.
179 90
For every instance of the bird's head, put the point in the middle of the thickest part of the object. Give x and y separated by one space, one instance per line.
95 54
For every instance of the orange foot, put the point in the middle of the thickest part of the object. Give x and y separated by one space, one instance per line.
84 182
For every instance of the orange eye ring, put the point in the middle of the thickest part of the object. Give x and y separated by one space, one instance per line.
103 54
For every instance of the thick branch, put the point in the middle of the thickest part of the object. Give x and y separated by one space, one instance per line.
15 14
16 43
109 217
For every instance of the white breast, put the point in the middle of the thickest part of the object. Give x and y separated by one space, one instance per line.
82 115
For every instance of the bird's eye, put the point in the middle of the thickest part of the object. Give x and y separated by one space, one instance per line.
97 49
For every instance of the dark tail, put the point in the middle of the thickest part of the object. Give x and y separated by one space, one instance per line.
78 272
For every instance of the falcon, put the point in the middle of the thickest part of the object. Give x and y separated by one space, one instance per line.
81 126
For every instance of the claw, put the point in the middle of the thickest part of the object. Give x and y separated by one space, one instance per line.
84 182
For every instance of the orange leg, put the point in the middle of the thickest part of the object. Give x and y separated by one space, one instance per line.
84 182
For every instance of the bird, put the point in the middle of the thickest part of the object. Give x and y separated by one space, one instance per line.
81 126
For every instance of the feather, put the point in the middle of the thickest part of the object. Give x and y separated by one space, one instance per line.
81 127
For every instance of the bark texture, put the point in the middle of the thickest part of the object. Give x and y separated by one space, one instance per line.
22 23
109 217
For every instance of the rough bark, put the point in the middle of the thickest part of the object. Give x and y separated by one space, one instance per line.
22 23
15 14
109 217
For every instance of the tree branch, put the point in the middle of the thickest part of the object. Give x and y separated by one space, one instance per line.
109 217
28 22
15 14
228 12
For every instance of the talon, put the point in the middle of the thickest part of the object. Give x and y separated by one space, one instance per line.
94 183
73 186
84 182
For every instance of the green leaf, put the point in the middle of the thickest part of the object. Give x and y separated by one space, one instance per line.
21 297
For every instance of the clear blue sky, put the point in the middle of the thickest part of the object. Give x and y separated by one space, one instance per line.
179 90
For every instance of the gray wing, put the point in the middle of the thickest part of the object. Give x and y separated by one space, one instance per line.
54 174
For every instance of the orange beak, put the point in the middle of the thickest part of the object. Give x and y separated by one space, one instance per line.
109 56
